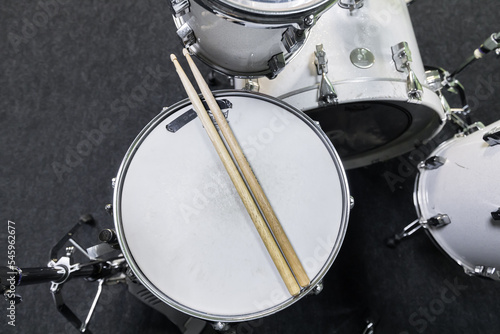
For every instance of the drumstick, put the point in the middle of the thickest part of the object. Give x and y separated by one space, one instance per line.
239 184
247 171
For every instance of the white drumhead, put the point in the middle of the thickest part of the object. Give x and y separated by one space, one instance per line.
185 232
466 189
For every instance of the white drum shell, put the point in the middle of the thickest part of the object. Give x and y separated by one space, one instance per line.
377 26
466 189
185 232
231 47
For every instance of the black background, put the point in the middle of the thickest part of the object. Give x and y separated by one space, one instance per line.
68 76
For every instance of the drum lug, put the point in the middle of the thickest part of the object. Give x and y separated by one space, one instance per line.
180 7
186 34
496 214
276 65
317 288
252 85
433 162
109 209
438 220
293 39
401 55
492 137
221 326
351 202
326 94
351 4
113 182
483 271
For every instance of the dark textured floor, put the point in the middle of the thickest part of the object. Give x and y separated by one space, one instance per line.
65 77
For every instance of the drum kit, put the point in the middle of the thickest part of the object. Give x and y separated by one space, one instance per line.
332 85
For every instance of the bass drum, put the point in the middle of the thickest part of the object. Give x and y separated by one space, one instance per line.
457 199
184 230
381 111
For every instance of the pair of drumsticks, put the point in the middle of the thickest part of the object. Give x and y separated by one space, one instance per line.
292 273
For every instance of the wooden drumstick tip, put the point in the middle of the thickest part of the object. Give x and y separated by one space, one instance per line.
185 52
173 57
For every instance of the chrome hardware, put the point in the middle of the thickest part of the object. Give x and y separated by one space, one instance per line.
496 214
326 94
180 7
276 65
362 58
186 34
484 271
317 288
433 78
401 55
351 4
309 20
109 209
351 202
437 221
113 182
292 39
433 162
221 326
492 137
252 85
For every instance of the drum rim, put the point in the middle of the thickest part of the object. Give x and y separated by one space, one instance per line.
118 222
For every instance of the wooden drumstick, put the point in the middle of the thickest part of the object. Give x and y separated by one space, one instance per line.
239 184
249 175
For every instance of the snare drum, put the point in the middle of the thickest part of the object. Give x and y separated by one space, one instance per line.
376 117
246 38
457 198
184 230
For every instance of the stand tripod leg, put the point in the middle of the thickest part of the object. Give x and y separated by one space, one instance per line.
393 241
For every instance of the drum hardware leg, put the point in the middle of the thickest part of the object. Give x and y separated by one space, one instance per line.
371 320
276 64
85 219
401 55
492 137
326 94
393 241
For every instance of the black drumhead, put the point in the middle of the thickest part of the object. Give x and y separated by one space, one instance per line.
360 127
